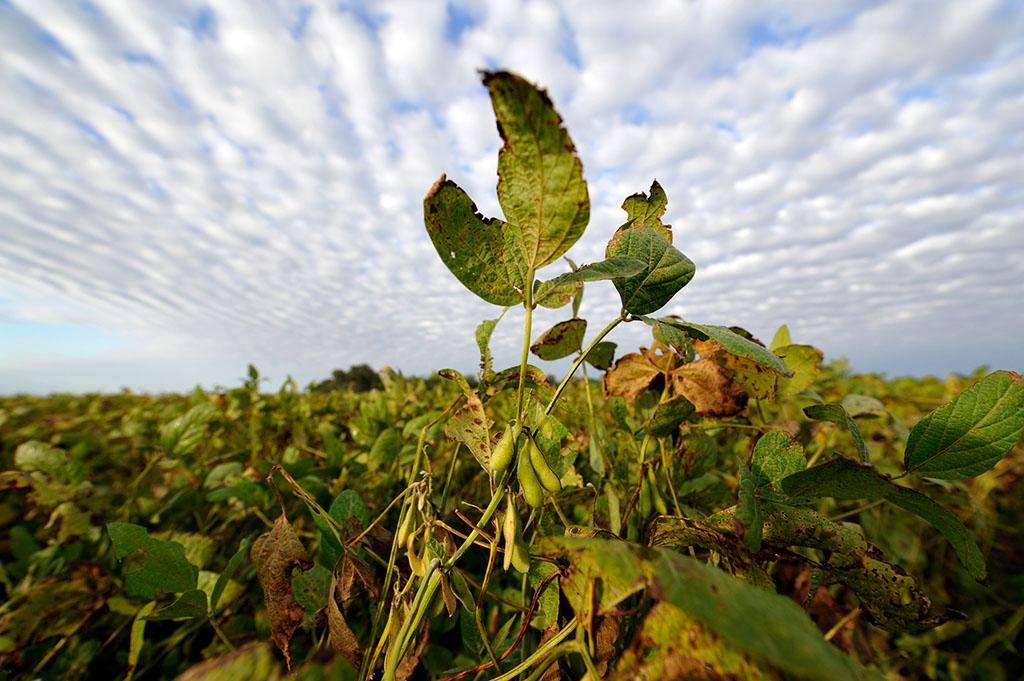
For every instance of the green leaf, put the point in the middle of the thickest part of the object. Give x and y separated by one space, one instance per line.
748 509
776 456
190 605
834 412
842 478
804 361
481 252
137 638
484 331
385 448
561 340
547 605
672 336
863 406
310 588
645 238
348 505
151 567
970 434
35 456
254 661
564 286
730 607
540 178
601 355
781 339
183 435
668 415
233 567
666 270
733 343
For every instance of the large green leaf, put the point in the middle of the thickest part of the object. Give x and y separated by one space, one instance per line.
666 269
751 618
646 239
482 253
970 434
540 178
558 291
151 566
561 340
733 343
843 478
834 412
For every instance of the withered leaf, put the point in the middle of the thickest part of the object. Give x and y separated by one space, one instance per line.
709 387
340 637
630 376
274 554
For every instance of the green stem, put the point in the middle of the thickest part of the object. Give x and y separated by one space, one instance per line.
527 336
431 580
539 654
582 356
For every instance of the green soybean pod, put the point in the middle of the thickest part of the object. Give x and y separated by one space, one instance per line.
544 473
659 501
532 491
509 530
645 498
520 556
503 452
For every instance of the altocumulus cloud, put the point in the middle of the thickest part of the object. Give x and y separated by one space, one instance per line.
189 186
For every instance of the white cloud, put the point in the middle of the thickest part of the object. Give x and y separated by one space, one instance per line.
223 182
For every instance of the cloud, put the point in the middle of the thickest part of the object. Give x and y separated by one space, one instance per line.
207 184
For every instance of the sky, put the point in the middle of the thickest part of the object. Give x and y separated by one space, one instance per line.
187 187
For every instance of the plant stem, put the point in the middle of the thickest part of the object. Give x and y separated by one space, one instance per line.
582 356
539 654
527 335
429 583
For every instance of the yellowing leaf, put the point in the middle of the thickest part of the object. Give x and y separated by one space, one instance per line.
540 178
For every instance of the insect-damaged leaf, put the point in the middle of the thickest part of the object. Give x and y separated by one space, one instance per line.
837 414
601 355
970 434
842 478
481 252
730 607
561 340
540 178
151 566
646 239
275 554
758 381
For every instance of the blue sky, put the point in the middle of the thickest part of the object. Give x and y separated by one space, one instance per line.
186 187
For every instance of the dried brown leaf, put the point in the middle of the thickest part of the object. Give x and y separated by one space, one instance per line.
274 554
709 387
